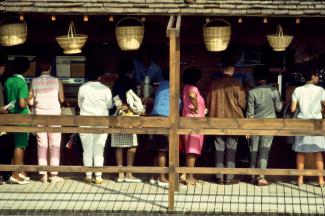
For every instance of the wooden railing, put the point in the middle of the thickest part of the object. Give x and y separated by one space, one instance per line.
160 125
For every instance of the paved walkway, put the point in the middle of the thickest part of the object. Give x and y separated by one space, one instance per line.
73 196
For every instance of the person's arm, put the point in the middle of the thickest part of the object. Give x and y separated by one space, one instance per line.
193 98
31 94
61 91
250 112
24 96
294 101
109 99
241 98
277 101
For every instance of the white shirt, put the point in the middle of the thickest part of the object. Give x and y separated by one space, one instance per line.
94 99
309 97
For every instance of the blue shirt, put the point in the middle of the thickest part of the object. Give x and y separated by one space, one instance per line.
161 105
153 71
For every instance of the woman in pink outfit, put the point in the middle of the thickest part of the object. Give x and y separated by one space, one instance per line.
47 94
193 106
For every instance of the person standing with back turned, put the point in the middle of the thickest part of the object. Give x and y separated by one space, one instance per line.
47 94
310 99
263 102
226 99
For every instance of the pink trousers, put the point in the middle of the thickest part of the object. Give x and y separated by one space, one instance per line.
48 144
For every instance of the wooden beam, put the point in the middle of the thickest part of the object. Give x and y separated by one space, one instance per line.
265 132
178 25
170 24
250 171
251 123
116 121
174 61
77 169
85 130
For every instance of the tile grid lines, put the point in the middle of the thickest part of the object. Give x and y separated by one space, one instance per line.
58 190
323 198
23 193
60 194
80 193
109 197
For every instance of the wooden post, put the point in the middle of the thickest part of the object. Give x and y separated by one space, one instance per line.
174 67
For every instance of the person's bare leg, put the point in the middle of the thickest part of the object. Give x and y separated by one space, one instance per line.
190 162
162 158
119 160
320 166
130 160
300 161
18 160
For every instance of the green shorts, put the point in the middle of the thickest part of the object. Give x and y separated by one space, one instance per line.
21 140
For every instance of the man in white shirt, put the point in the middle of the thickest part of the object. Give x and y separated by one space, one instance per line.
94 99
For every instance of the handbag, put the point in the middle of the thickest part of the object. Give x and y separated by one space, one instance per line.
68 111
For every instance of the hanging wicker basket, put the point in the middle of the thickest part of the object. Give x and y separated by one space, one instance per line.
279 41
216 38
12 31
72 43
129 37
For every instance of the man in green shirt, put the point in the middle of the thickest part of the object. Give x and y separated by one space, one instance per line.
17 90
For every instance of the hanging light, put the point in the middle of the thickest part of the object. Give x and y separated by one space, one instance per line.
265 20
298 20
53 18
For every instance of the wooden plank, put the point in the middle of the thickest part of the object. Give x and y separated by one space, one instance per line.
74 169
245 123
174 58
266 132
118 121
170 24
85 130
249 171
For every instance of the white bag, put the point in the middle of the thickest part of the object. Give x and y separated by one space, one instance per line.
134 102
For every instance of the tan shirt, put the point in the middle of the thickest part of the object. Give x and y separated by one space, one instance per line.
226 98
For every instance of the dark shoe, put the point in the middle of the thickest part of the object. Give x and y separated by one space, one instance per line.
1 180
220 181
231 181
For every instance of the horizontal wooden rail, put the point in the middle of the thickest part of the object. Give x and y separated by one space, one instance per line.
196 170
116 121
250 171
85 130
251 124
76 169
265 132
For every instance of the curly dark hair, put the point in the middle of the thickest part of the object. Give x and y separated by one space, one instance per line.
191 76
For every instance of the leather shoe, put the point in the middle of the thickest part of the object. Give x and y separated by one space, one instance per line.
231 181
219 181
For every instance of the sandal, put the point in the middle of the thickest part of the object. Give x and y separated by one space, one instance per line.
263 182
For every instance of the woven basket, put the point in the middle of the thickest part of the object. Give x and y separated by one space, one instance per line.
12 34
279 41
129 37
216 38
72 42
